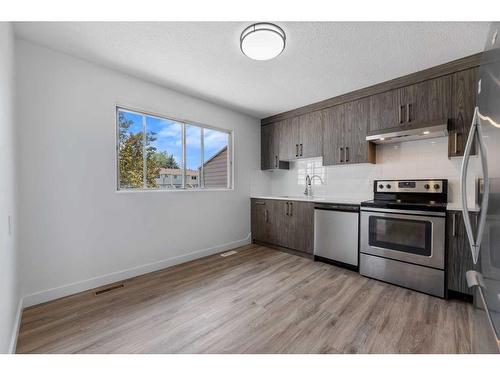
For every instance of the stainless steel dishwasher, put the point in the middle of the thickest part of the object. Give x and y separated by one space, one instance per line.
336 234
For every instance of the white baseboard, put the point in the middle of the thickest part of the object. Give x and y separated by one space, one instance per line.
15 328
95 282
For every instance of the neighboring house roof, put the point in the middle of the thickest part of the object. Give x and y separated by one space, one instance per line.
217 154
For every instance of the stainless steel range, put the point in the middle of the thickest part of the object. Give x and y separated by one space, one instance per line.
402 234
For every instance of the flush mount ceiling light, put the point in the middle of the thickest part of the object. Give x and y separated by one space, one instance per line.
262 41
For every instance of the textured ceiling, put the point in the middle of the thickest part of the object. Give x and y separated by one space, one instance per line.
203 59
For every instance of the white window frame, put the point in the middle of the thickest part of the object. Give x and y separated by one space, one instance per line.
230 151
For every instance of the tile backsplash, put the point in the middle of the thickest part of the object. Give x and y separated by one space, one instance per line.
406 160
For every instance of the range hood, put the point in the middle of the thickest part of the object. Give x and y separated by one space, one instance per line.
409 133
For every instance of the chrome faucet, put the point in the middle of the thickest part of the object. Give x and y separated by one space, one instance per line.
309 192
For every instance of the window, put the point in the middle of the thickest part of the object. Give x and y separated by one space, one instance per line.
157 153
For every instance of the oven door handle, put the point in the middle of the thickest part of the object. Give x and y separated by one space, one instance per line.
475 241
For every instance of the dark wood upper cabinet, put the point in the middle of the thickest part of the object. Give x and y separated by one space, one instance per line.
336 128
426 102
356 122
267 147
310 135
289 139
270 148
385 111
333 135
301 137
464 91
344 134
418 104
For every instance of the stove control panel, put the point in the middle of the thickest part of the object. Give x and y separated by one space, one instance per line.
409 186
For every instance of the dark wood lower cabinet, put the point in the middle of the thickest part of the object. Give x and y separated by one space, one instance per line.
283 223
459 258
300 226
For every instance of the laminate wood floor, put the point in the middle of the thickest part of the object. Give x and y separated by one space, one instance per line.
256 301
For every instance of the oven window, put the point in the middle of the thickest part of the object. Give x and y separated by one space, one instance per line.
409 236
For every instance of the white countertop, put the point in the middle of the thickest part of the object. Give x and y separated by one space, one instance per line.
347 200
316 199
458 207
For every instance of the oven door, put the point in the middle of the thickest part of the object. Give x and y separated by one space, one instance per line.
407 236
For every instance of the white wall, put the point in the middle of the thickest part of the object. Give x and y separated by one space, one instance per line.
77 231
9 297
406 160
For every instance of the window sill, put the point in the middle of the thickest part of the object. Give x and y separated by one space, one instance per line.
124 191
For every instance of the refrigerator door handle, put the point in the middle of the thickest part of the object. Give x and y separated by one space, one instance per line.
475 279
474 241
486 189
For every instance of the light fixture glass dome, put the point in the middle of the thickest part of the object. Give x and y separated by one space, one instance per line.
262 41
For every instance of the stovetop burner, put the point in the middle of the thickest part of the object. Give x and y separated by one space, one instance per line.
421 195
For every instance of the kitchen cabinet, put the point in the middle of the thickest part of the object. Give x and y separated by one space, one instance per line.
310 135
464 90
333 133
385 111
356 121
416 105
288 139
288 224
300 226
426 102
301 137
270 148
459 258
344 134
260 220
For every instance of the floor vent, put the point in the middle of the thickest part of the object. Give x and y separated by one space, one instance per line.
228 253
109 289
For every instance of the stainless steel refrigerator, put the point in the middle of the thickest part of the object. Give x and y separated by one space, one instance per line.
484 238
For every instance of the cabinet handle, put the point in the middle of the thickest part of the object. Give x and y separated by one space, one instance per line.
296 150
266 216
276 161
287 209
454 225
456 143
291 209
260 203
340 154
301 149
400 114
346 154
408 112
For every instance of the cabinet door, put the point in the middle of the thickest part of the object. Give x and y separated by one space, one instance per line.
459 256
333 135
278 222
260 220
301 227
356 121
289 139
384 110
310 135
268 148
463 102
426 102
